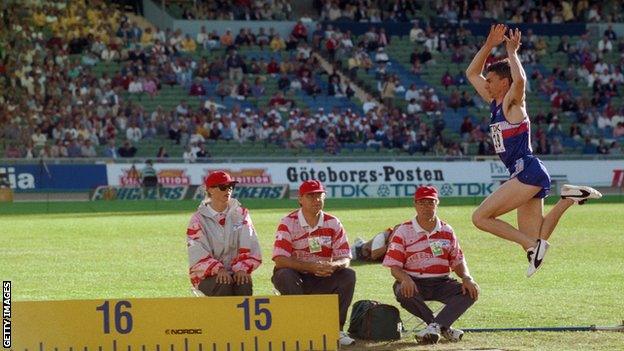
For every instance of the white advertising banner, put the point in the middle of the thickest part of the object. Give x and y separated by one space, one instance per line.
376 179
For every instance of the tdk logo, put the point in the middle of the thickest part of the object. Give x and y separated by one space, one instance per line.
16 181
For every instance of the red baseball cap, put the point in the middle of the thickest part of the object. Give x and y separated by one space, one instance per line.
311 186
218 178
426 192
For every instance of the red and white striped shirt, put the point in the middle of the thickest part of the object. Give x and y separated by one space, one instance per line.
424 254
325 242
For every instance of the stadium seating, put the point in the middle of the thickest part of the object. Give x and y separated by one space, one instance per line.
399 51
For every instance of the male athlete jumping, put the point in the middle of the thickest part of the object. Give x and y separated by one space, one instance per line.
510 129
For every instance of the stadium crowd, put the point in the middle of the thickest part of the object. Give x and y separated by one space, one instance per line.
54 105
594 117
376 11
239 10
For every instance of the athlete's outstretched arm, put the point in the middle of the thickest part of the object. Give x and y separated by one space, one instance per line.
474 72
516 91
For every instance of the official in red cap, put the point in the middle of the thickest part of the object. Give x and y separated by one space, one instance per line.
310 187
426 202
311 198
222 243
426 192
217 178
311 253
219 187
422 270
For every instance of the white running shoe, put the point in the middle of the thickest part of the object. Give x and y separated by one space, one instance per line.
345 339
452 335
579 194
429 335
535 255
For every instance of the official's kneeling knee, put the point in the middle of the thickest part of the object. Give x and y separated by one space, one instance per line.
245 289
285 279
285 274
346 275
399 295
467 299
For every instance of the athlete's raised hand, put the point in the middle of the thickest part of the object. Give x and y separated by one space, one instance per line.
513 41
497 35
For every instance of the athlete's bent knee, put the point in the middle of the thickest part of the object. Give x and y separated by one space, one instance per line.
479 219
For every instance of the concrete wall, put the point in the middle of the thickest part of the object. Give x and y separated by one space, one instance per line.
599 28
156 15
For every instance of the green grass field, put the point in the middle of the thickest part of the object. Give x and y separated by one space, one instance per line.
137 249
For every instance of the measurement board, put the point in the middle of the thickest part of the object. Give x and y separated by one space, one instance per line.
273 323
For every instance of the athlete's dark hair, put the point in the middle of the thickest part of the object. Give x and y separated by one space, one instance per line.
502 69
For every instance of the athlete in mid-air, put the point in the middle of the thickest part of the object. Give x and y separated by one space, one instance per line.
503 86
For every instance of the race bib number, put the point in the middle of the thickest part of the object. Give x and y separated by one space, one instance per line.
315 244
497 138
436 248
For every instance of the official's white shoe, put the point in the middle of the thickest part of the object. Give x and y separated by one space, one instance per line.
535 255
345 339
579 193
452 335
429 335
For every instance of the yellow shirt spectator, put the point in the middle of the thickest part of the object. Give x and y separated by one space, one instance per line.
582 6
72 20
566 9
39 19
203 131
103 35
114 20
93 16
188 44
277 43
56 27
147 38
